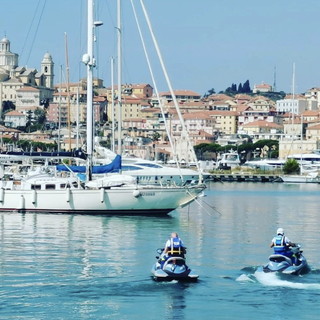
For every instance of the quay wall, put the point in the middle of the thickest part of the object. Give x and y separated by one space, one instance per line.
245 177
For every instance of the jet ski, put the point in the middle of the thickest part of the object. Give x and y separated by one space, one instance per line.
280 263
172 268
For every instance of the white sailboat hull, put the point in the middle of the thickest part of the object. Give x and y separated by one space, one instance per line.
122 200
300 179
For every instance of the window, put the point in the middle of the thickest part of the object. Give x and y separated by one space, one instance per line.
50 186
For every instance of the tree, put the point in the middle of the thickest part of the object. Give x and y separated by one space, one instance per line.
7 106
29 118
155 136
211 91
246 87
291 166
39 116
232 89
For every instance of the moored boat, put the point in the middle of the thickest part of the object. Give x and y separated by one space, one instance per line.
69 193
311 177
43 193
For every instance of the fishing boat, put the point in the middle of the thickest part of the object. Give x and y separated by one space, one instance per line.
69 193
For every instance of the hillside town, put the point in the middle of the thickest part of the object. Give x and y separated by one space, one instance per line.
35 108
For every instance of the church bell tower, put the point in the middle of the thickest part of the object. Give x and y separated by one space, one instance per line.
47 70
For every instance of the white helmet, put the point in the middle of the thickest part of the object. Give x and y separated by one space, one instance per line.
280 231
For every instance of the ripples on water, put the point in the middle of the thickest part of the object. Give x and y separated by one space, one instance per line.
98 267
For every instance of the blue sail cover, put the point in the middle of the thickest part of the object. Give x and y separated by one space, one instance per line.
114 166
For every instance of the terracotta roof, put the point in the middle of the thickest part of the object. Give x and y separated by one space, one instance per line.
5 129
315 127
180 93
296 96
200 133
26 88
262 85
223 113
242 107
219 96
196 115
99 99
242 96
309 113
135 120
200 141
187 104
151 110
262 124
14 113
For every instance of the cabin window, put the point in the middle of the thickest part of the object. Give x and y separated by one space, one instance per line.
75 184
62 185
50 186
36 187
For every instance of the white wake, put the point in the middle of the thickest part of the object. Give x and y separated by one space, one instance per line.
271 279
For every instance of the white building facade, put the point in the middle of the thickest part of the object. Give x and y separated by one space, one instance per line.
295 106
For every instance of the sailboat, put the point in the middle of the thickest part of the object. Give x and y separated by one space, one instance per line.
68 194
311 177
305 176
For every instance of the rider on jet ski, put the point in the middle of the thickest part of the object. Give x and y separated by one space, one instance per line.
173 247
281 245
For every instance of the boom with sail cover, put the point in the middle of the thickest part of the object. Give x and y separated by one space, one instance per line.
114 166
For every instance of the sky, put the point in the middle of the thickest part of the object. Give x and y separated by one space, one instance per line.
204 44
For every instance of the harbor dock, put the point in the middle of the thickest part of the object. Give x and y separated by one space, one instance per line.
236 177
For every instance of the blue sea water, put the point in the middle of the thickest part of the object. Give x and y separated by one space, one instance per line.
98 267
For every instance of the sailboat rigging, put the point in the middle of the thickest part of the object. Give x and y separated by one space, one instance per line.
184 133
117 194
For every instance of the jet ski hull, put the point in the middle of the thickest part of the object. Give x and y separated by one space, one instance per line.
174 268
283 264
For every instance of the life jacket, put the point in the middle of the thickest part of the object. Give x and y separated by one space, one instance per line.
280 245
176 246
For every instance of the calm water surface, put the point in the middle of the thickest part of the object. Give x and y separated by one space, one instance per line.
98 267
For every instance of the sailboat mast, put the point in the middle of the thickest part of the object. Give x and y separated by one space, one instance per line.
59 112
293 85
68 91
112 106
119 40
90 65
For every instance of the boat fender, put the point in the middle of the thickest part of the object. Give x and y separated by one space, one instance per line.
68 195
34 196
102 195
136 193
22 202
1 195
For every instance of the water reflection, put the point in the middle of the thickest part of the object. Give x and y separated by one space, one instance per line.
99 266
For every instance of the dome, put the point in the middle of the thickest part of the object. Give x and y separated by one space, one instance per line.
47 58
5 40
